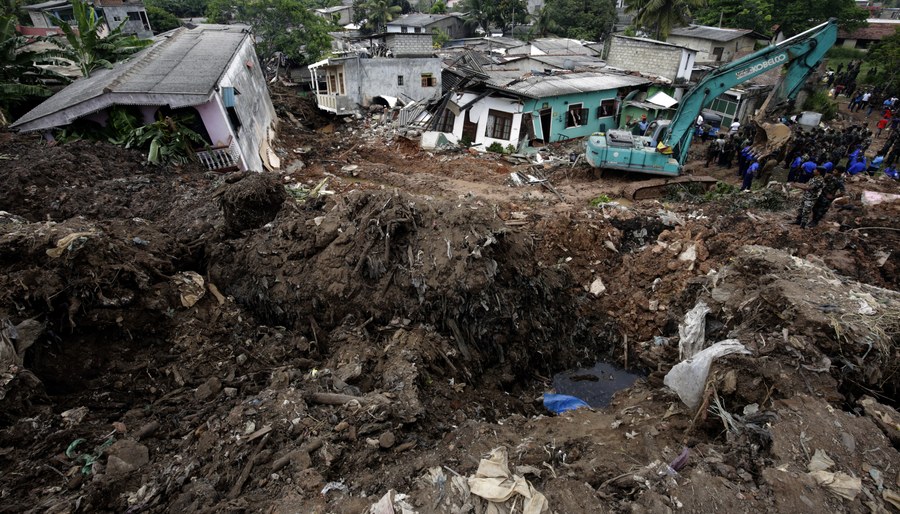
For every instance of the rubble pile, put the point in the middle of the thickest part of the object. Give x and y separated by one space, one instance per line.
373 332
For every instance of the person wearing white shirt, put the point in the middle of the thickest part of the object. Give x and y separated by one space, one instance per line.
735 126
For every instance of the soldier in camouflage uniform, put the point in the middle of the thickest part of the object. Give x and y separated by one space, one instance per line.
813 190
834 183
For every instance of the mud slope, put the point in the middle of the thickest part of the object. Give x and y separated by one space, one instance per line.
177 341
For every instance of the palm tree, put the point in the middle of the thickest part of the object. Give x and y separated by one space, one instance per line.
662 15
379 13
21 77
480 13
88 48
543 23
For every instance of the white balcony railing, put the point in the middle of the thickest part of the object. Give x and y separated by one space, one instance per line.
338 104
220 157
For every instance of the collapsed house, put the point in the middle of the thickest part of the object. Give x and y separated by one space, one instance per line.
483 107
128 14
386 69
209 71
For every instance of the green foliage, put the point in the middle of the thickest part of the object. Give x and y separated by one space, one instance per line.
168 140
180 8
660 16
495 147
439 37
510 149
379 13
886 55
285 26
161 20
21 77
819 101
630 31
727 195
438 7
795 16
542 23
600 200
839 52
577 19
745 14
86 45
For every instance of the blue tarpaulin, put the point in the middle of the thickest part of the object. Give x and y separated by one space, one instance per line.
559 403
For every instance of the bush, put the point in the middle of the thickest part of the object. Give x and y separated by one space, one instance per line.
839 52
600 200
820 102
495 147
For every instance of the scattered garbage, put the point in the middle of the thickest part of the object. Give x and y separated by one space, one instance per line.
875 198
688 377
191 287
692 331
495 483
839 483
334 486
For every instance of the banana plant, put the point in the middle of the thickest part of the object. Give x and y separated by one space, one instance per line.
87 46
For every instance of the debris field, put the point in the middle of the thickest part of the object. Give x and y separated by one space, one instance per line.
372 330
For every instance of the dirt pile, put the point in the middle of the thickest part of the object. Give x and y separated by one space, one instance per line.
218 343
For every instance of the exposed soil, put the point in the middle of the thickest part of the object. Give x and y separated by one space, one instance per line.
186 341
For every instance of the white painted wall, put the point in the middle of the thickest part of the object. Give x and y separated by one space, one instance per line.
479 115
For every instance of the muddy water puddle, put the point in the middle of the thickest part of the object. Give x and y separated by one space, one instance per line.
595 385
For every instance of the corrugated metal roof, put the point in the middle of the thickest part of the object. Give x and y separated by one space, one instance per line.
572 83
569 62
184 62
711 33
45 5
554 46
419 19
651 41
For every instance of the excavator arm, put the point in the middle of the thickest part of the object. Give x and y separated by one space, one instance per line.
800 54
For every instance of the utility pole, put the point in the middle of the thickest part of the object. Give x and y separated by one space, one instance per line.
721 15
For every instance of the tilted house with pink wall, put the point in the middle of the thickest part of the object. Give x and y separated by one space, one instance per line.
210 71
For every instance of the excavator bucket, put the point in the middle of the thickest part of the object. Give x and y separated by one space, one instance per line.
771 139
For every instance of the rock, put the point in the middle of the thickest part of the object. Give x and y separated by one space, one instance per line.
387 440
125 456
208 389
597 288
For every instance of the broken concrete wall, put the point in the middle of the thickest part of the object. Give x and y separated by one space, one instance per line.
380 77
650 57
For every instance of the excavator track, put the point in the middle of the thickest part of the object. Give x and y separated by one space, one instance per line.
654 188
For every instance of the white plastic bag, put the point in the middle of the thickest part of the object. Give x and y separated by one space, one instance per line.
688 377
692 331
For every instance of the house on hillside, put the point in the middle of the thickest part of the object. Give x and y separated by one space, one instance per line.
648 56
864 37
419 23
209 71
504 108
404 70
714 44
339 14
130 14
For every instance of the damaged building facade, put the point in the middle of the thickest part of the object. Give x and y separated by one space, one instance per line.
209 73
498 109
407 73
